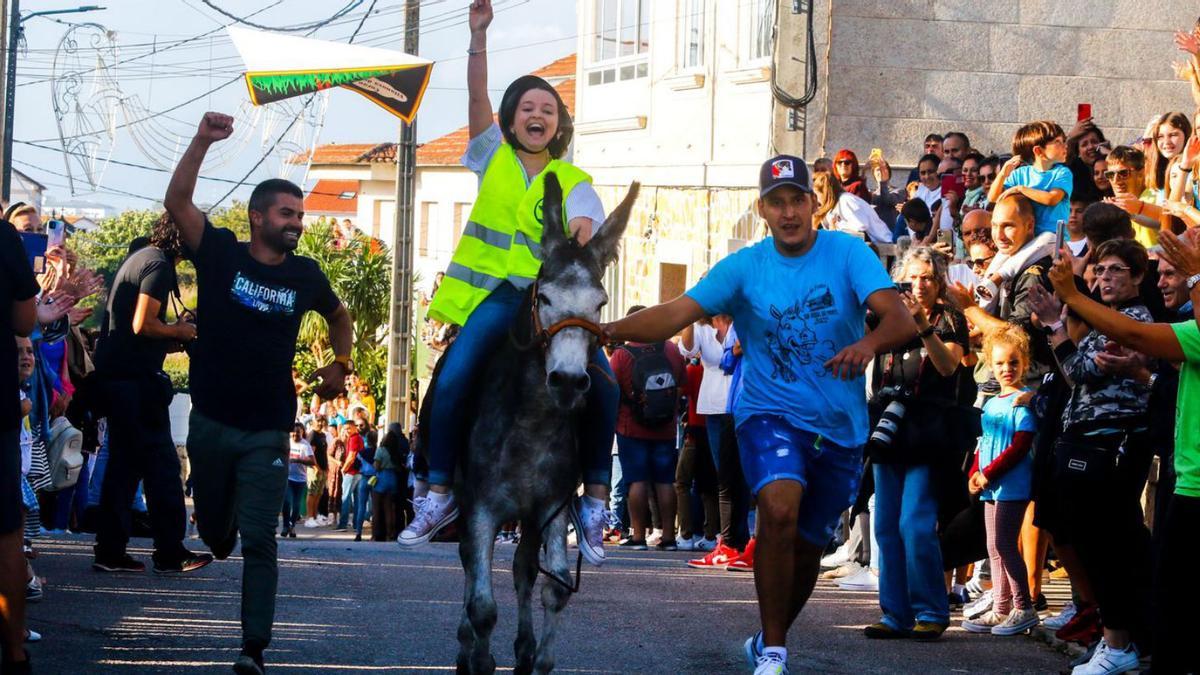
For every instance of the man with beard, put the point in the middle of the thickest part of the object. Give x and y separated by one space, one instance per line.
251 299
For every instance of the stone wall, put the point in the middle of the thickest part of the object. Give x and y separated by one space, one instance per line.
895 70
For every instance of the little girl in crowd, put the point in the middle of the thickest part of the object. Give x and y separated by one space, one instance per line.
1002 477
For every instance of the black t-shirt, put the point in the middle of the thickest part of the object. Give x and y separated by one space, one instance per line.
248 315
122 353
320 448
17 284
907 368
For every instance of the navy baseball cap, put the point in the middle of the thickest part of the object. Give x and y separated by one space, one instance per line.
783 170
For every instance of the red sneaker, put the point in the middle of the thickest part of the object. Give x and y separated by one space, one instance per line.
745 561
1084 627
717 559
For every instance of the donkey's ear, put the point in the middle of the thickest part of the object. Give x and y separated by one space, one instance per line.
552 219
604 246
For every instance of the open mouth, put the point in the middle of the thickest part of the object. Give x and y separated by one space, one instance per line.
535 129
292 235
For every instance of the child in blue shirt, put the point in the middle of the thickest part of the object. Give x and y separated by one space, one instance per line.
1038 171
1002 477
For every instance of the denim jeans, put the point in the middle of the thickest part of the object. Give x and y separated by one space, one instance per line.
465 361
620 494
362 502
911 584
292 499
349 498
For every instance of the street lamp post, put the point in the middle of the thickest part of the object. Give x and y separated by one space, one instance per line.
10 85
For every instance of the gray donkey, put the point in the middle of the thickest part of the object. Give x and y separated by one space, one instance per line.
522 460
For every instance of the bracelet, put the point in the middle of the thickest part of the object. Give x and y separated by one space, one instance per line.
475 52
1185 169
1141 207
926 333
1054 327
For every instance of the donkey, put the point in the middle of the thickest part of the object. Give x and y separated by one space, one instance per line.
522 460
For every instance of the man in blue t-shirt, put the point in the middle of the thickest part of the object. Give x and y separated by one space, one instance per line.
799 299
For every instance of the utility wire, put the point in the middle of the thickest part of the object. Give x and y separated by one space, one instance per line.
288 29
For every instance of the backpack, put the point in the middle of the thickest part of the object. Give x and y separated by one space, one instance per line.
65 454
655 391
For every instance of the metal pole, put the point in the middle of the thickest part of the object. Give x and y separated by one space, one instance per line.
400 328
10 95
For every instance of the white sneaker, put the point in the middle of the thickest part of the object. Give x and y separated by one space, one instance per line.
431 516
589 521
654 538
864 580
848 570
979 607
1018 622
770 664
688 544
836 559
705 545
1109 661
985 623
311 522
1062 618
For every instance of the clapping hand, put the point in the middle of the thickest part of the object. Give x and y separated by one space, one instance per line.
1046 308
1182 252
54 305
960 296
1117 361
1187 42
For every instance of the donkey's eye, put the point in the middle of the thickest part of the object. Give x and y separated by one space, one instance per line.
543 300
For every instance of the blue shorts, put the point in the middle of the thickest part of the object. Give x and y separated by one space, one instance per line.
772 449
644 460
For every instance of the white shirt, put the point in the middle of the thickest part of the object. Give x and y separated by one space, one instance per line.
853 214
1077 246
714 388
931 197
582 202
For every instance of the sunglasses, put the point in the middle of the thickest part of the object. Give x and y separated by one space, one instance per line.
981 262
1118 173
1099 270
986 176
846 162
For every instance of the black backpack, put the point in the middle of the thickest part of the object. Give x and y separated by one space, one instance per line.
655 391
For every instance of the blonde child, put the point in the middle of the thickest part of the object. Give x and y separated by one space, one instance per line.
1002 478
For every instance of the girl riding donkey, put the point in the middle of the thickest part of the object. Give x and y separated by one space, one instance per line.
496 261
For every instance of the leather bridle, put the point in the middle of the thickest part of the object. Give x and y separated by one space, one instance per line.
541 335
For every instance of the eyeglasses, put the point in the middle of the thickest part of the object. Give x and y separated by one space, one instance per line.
986 176
1118 173
847 162
1099 270
981 262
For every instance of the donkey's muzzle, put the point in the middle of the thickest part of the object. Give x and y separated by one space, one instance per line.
569 382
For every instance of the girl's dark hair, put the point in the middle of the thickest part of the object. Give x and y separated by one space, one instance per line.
508 112
166 237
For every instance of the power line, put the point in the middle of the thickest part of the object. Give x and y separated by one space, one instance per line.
289 29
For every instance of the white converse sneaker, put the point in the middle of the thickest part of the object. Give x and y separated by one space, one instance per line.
705 545
589 521
1062 618
836 559
1109 661
1018 622
985 623
431 516
978 607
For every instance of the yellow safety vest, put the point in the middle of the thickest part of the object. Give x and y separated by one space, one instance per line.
502 239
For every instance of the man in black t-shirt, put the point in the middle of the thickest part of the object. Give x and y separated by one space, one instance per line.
129 373
251 300
17 318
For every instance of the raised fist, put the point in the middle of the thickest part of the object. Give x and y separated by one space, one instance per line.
215 127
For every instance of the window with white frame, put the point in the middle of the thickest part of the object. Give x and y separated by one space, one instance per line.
691 38
621 41
760 24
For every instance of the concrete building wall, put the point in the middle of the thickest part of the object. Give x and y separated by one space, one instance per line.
891 71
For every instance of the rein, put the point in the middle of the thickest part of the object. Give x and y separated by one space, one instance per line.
541 336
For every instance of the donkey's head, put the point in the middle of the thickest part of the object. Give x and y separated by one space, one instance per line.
570 287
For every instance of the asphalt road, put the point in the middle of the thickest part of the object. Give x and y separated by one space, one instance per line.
350 607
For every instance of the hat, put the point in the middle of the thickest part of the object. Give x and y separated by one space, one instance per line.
783 170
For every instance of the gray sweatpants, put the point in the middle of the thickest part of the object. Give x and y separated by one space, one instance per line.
238 481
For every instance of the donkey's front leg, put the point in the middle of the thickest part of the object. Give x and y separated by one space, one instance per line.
525 571
479 605
554 594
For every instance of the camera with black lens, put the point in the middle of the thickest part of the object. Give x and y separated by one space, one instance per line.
891 399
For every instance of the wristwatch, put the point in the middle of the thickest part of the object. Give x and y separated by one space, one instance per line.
926 333
347 363
1192 281
1052 328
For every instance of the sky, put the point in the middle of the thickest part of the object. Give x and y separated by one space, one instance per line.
151 73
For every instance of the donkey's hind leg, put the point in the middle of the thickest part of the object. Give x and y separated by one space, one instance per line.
554 594
479 604
525 571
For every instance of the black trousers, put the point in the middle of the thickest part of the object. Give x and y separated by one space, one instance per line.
1176 599
140 449
1107 527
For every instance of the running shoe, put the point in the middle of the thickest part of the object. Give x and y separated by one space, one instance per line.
753 649
770 664
430 517
979 607
685 543
1109 661
705 545
188 563
745 561
1062 618
1019 621
985 623
717 559
125 563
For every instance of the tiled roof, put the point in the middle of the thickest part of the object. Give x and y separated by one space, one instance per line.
444 150
326 197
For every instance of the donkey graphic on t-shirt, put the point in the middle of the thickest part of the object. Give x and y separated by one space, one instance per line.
792 345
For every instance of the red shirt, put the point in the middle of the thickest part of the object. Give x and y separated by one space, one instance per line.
695 374
354 445
627 424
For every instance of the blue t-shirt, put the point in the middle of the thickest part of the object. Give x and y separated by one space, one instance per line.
1057 178
1002 420
793 315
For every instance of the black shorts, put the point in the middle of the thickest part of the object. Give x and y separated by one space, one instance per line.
11 504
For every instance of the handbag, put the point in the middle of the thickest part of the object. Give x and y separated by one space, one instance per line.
1081 463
